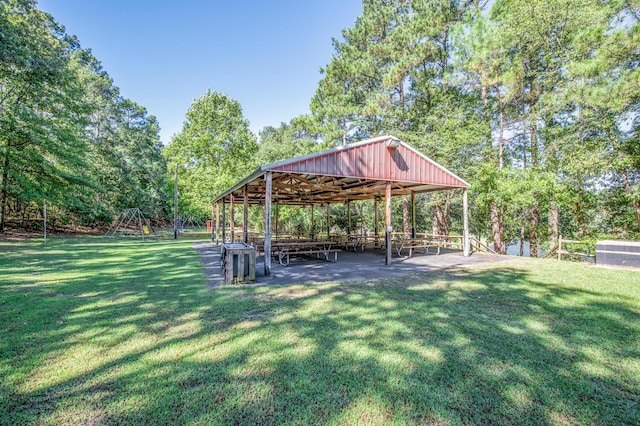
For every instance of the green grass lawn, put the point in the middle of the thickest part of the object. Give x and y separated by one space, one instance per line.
96 331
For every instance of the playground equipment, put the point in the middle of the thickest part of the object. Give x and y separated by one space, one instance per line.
131 223
190 222
187 221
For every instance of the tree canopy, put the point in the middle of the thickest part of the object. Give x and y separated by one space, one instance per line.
535 103
66 136
214 149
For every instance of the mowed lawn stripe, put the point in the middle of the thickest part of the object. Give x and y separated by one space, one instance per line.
124 332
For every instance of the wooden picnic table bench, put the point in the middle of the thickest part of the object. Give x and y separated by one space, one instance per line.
283 251
259 243
350 242
415 244
358 242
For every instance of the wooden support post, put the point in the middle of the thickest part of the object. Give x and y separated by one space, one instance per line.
313 224
413 214
560 247
245 216
348 217
267 224
375 217
277 218
387 224
328 220
224 222
213 218
465 237
232 224
217 221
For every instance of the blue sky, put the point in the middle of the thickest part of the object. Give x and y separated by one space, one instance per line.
163 54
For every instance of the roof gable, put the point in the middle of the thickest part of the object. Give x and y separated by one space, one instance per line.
372 159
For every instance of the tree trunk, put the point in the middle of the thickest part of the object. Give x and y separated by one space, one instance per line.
501 135
629 191
522 234
497 228
497 214
405 217
533 232
441 219
580 218
4 195
554 225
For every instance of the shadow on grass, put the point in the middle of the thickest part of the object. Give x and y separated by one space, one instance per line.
97 332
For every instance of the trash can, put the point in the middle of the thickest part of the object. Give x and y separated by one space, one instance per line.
238 263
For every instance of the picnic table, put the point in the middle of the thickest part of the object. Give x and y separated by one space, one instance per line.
283 250
412 244
258 243
358 242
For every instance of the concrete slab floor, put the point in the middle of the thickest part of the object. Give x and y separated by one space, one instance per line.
351 266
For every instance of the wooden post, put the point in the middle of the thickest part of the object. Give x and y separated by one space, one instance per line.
232 224
413 214
387 223
348 217
217 221
224 222
245 216
313 224
267 225
277 218
375 217
175 205
560 247
45 223
465 238
213 218
328 220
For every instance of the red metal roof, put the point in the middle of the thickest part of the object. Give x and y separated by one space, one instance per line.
372 159
351 172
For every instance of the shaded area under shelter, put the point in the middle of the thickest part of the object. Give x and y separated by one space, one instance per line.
353 266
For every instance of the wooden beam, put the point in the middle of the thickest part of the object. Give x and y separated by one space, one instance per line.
413 214
375 216
328 220
245 216
348 217
224 222
213 219
217 222
267 225
313 224
277 217
232 224
387 224
466 237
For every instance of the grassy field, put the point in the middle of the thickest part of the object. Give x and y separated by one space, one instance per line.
95 331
